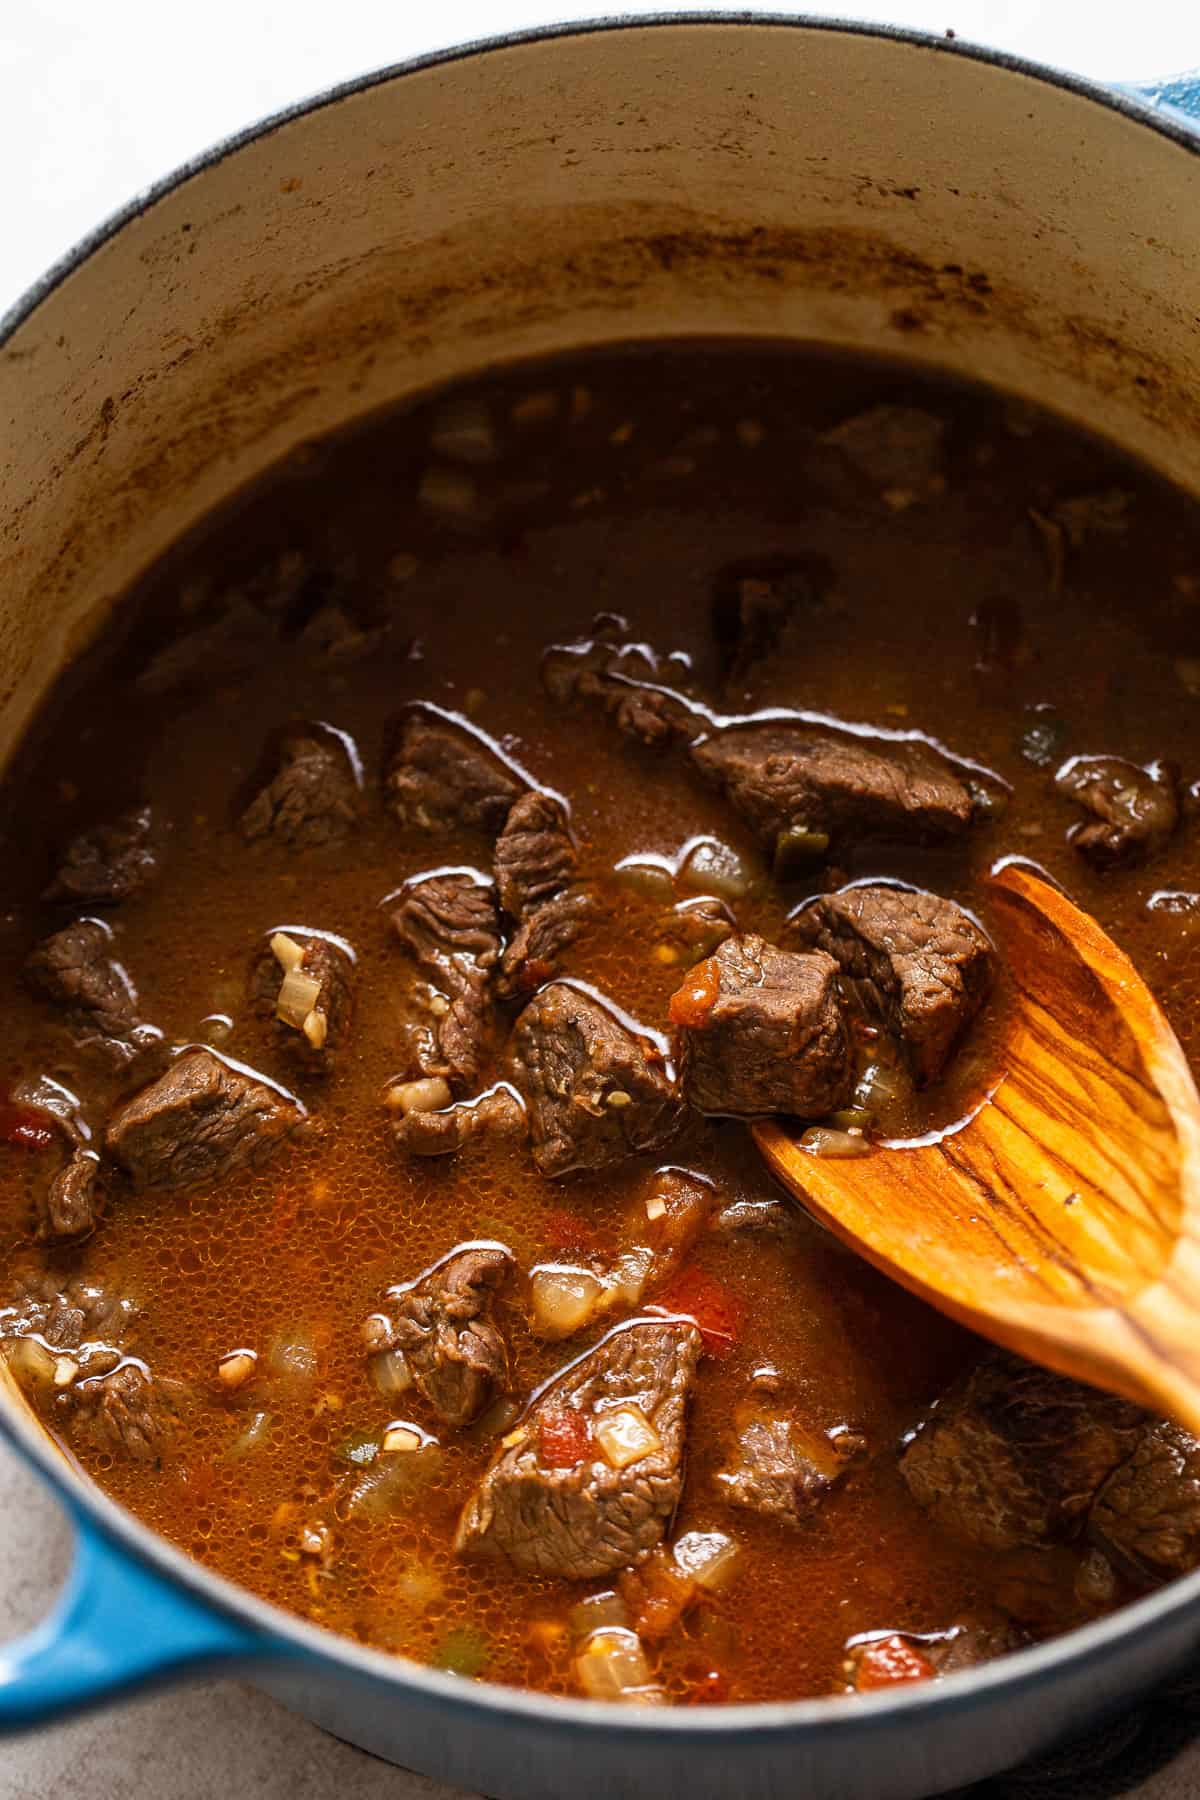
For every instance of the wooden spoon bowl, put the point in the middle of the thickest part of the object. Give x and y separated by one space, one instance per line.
1061 1217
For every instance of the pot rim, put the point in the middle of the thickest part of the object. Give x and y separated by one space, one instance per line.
1018 1673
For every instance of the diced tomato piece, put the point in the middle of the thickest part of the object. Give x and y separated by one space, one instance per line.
25 1127
565 1230
696 995
702 1297
890 1660
564 1437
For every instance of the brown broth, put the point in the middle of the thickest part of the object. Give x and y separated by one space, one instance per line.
658 468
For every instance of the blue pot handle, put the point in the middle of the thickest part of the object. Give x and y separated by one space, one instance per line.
118 1627
1177 94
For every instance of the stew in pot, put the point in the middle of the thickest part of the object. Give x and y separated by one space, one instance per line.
415 890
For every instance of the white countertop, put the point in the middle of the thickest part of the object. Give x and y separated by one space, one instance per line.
97 100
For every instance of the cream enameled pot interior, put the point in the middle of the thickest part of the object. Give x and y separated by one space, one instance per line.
678 178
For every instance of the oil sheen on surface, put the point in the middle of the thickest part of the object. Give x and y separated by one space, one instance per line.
623 483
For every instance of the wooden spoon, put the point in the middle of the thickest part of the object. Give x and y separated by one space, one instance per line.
1062 1216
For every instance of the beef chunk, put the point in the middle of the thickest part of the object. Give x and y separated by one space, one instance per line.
1015 1455
551 1501
111 863
754 603
200 1120
596 1090
443 1324
1135 810
440 775
760 1030
798 783
535 857
917 963
70 1206
65 1316
449 926
534 953
324 1029
312 795
126 1412
1148 1510
896 447
780 1470
627 681
535 865
76 969
497 1113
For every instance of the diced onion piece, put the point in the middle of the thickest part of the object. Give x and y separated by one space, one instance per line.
316 1028
629 1275
235 1370
390 1373
31 1363
712 867
287 951
293 1358
257 1433
463 431
297 997
707 1557
656 1206
563 1298
598 1612
450 492
821 1140
65 1371
626 1435
612 1666
428 1095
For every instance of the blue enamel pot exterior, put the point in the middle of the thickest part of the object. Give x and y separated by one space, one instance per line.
1118 182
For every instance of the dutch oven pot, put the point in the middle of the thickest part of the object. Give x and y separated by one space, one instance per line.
660 178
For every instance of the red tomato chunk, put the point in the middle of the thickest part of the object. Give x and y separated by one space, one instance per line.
564 1438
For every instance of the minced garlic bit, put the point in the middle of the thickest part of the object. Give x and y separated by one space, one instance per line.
316 1028
235 1370
65 1371
402 1437
656 1206
428 1095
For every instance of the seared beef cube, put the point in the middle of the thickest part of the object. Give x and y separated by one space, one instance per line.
802 787
1135 810
313 793
449 926
107 865
199 1121
65 1317
754 603
495 1114
626 681
70 1205
443 1325
535 856
897 447
75 968
1055 1587
918 964
305 982
534 953
780 1470
441 776
126 1412
760 1030
1014 1455
596 1091
1148 1510
593 1479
